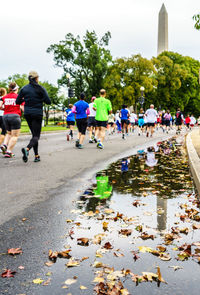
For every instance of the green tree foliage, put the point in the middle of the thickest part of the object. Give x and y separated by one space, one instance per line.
126 76
21 80
85 60
196 18
177 78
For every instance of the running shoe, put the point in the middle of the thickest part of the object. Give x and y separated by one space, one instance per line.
67 137
147 135
3 148
77 143
94 139
80 146
8 155
100 145
37 159
90 141
25 153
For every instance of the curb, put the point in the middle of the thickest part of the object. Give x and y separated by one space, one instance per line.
194 162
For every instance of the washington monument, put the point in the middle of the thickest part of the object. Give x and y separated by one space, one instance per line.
162 30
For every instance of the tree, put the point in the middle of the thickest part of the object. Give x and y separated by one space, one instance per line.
126 76
196 18
86 61
55 99
21 80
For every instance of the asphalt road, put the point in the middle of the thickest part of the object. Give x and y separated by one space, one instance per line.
37 198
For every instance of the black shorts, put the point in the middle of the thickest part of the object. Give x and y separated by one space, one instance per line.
111 123
124 122
91 122
81 125
12 122
101 123
178 123
70 123
151 124
167 123
2 126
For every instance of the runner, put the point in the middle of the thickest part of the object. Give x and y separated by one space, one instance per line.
3 92
81 111
151 116
167 119
179 120
133 119
34 96
111 123
187 121
11 120
118 122
124 115
103 107
92 122
70 119
192 121
140 121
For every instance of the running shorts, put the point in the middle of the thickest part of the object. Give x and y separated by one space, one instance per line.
70 123
2 126
167 123
101 123
91 122
150 124
111 123
124 122
140 122
178 123
12 122
81 125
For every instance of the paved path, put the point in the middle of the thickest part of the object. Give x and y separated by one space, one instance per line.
195 135
25 184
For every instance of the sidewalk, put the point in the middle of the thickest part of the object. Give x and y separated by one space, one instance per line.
193 149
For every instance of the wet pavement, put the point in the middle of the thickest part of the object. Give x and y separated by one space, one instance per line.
134 230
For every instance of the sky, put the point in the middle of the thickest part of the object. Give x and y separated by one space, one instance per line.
28 28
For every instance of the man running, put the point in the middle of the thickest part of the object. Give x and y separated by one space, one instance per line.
92 122
124 115
70 118
179 120
151 116
103 108
81 111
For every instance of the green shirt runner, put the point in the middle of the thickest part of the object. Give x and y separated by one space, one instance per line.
102 106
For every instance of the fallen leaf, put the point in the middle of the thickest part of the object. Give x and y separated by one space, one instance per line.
144 249
83 241
105 226
175 267
49 263
8 273
159 275
70 281
21 267
47 282
108 246
14 251
97 264
53 255
161 248
38 281
83 287
72 263
98 280
125 232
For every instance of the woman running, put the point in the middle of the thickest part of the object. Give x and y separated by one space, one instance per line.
70 121
11 120
140 121
34 96
167 119
3 92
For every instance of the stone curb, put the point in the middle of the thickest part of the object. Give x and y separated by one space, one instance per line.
194 161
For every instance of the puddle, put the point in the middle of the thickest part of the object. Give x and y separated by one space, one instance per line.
140 216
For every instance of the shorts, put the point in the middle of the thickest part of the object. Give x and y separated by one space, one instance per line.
178 123
111 124
150 124
167 123
140 122
2 126
132 124
12 122
124 122
81 125
101 123
91 122
70 123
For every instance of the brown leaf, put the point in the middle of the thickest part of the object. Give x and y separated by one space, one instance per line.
64 254
159 275
108 246
53 255
125 232
161 248
83 242
145 236
14 251
105 226
8 273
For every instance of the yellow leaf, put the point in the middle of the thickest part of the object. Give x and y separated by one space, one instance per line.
83 287
98 280
105 225
72 263
38 281
70 281
97 264
144 249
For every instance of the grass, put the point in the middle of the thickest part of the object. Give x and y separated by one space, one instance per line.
50 127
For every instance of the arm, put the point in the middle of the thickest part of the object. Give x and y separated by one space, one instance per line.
74 109
94 107
20 97
87 112
46 98
1 103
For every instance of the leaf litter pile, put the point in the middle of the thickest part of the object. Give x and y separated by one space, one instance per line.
135 229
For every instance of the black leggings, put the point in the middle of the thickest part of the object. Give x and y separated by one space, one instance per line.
35 125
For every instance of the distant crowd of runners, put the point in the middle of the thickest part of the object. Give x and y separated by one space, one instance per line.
97 117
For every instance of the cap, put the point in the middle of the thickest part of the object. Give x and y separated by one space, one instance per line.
93 98
33 74
82 96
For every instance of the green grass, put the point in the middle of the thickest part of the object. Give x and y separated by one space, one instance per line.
50 127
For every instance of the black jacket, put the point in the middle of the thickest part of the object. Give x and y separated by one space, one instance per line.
34 97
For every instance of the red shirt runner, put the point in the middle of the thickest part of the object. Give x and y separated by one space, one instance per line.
10 106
